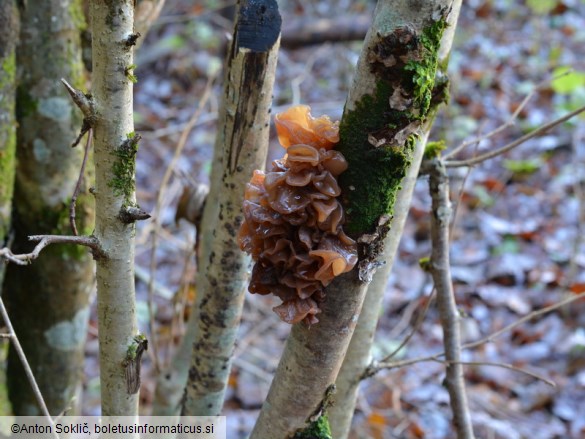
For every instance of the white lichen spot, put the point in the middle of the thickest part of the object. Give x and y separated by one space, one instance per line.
55 108
69 335
40 150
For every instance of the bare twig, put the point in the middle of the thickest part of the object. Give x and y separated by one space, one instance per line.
167 175
460 195
376 367
84 102
170 130
504 366
45 240
417 324
507 123
527 317
296 82
578 165
515 143
27 370
440 270
78 184
177 329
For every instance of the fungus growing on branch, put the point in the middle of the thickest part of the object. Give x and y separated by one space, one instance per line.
293 221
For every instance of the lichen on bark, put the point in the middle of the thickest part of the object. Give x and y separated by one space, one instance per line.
45 177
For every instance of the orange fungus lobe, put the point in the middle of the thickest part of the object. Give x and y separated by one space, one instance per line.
293 220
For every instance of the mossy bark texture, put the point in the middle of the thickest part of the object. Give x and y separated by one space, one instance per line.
115 147
240 147
8 37
48 300
385 116
358 356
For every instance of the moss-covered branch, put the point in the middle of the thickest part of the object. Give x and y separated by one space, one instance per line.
430 89
386 112
8 37
379 128
51 296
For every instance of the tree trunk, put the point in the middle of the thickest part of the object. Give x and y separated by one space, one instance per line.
8 37
358 355
240 147
49 300
147 11
115 153
393 94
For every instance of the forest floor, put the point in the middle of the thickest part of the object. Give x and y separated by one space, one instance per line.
518 238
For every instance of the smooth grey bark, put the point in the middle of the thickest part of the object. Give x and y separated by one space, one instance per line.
241 146
358 356
386 112
49 300
115 146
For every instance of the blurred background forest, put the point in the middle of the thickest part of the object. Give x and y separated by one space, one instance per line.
518 241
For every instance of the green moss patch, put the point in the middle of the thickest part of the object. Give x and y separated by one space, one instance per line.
124 168
7 142
77 15
425 70
316 430
434 149
374 174
7 162
378 135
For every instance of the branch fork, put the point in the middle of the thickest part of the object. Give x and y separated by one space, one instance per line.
45 240
86 104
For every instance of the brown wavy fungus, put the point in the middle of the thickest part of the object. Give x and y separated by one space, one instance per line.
293 220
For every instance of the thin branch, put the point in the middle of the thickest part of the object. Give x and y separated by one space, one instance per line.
578 165
84 102
527 317
448 313
177 329
504 366
515 143
376 367
45 240
417 324
460 195
27 370
506 124
78 184
167 175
